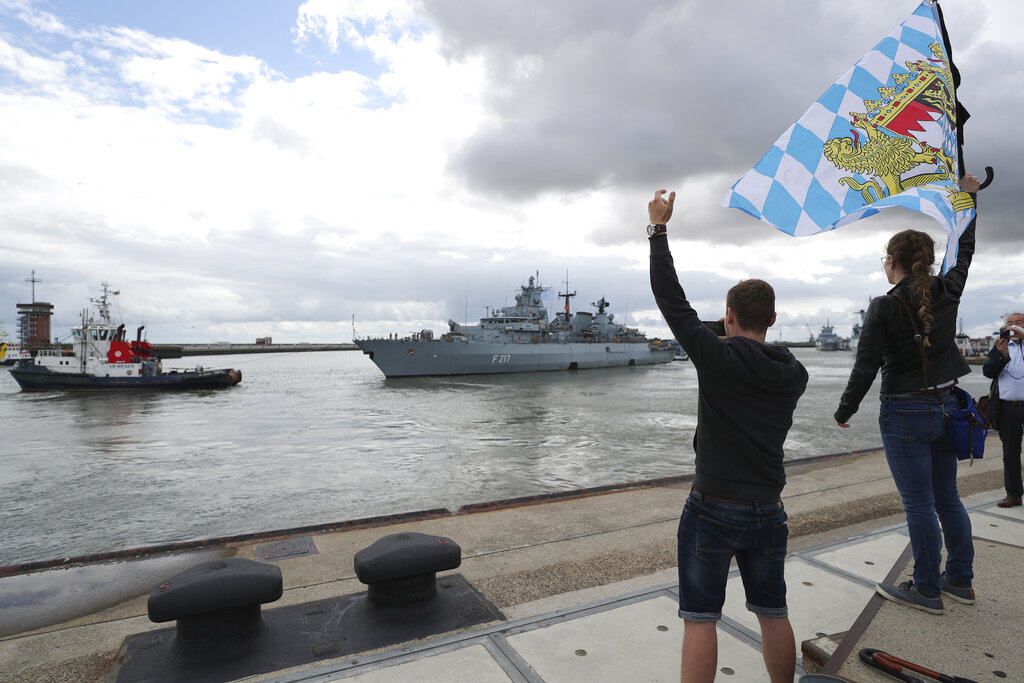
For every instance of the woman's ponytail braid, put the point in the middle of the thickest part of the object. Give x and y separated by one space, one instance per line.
915 252
924 257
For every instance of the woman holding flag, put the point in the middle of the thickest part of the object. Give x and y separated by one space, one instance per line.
913 428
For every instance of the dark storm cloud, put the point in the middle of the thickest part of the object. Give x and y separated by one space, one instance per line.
634 95
595 95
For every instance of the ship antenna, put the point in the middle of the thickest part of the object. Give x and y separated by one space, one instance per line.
566 295
102 303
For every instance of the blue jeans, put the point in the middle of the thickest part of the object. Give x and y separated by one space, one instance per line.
710 534
923 465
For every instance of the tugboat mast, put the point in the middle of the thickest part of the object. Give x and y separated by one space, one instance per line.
103 303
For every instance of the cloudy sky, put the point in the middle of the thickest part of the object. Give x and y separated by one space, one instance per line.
243 168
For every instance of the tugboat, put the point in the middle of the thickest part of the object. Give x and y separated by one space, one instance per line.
828 340
103 360
520 338
11 353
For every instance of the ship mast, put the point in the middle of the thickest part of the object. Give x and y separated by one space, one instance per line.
566 295
103 303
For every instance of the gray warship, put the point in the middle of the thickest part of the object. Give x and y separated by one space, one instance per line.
520 338
828 340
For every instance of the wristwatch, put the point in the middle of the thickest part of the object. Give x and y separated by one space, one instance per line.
656 229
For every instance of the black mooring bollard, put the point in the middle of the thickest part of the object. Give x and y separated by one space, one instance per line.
216 600
401 569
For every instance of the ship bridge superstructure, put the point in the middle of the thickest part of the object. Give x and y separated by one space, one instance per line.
99 347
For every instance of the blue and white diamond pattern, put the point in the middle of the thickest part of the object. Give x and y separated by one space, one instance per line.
797 190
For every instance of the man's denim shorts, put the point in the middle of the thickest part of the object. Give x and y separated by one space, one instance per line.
711 533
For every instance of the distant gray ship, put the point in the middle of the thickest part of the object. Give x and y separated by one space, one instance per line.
520 338
855 332
828 340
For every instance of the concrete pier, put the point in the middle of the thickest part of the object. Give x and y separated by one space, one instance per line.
586 585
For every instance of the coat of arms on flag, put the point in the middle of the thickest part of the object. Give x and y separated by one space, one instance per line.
885 134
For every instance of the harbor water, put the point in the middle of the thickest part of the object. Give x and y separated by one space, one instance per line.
321 437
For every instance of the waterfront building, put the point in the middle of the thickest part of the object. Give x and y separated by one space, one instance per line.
34 322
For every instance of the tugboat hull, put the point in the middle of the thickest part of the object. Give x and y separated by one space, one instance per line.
38 378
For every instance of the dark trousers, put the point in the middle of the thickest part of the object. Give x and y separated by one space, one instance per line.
1011 429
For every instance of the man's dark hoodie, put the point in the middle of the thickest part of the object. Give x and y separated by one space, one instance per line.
746 397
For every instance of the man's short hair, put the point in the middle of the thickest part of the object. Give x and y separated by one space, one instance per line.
753 302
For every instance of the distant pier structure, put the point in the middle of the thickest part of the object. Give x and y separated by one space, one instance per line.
34 318
223 348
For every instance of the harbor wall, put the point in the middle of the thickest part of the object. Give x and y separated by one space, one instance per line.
225 348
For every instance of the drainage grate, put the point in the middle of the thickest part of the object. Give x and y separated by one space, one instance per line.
292 547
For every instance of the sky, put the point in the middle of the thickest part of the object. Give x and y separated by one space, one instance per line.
313 170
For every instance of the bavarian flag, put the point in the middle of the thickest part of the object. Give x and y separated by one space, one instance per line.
887 133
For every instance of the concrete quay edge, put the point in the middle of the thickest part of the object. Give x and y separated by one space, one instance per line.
527 559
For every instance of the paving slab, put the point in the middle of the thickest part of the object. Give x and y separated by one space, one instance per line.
640 641
870 559
470 663
995 527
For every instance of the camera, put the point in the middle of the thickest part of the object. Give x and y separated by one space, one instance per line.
716 326
1005 334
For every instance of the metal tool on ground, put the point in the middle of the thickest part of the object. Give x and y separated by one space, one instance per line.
894 666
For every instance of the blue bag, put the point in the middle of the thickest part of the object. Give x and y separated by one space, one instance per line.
966 427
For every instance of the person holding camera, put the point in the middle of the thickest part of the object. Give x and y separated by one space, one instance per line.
746 396
1005 365
911 420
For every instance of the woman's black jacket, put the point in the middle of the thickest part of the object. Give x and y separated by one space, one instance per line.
887 338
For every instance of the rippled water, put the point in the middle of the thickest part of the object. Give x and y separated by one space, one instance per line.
311 438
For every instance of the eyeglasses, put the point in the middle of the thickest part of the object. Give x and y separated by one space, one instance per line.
884 258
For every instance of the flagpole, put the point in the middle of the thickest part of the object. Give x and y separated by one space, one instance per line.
961 113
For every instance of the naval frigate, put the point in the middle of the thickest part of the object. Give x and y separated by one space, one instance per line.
828 340
520 338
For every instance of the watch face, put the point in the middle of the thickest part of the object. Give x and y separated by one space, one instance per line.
651 229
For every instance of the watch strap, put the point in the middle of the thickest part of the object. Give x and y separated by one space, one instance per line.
655 229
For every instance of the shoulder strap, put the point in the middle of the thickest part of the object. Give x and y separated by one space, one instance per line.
926 368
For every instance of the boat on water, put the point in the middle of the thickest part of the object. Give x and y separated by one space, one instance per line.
855 332
520 338
828 340
11 353
102 359
677 351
